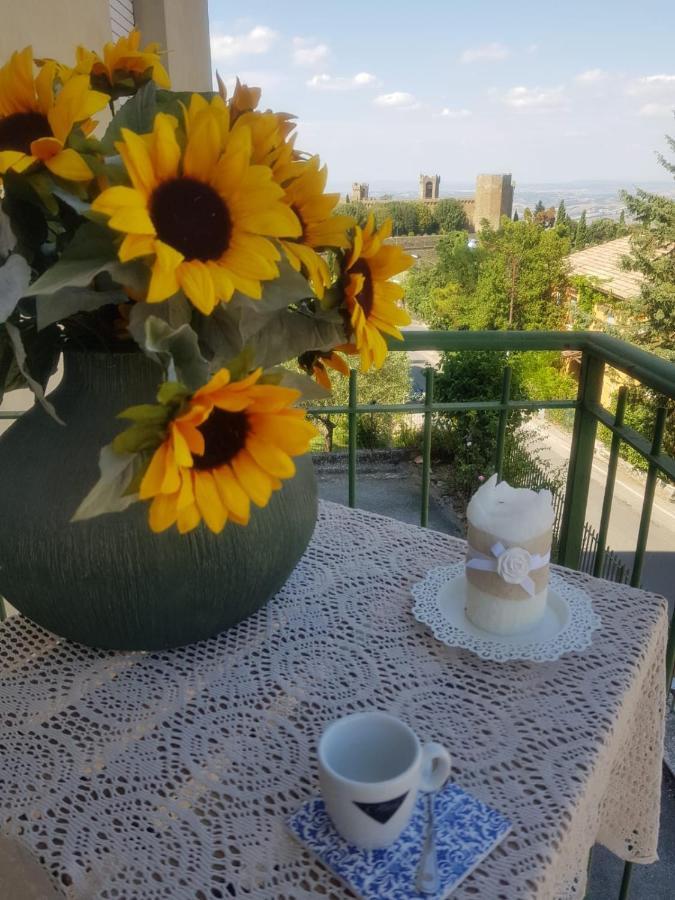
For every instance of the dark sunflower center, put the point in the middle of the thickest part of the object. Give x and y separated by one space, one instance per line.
365 296
224 436
18 131
191 217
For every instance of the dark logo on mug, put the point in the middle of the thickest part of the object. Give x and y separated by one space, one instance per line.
382 812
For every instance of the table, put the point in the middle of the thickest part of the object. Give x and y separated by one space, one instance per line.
170 774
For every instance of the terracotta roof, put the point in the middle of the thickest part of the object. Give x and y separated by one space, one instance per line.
604 263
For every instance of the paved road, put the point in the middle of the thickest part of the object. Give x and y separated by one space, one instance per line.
659 568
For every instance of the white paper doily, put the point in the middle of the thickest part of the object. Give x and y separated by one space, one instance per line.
567 626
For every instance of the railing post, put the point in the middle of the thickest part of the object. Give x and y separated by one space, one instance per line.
581 461
352 429
426 444
648 501
609 484
503 422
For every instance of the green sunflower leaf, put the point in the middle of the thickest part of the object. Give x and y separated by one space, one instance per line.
145 436
172 393
110 493
137 114
177 349
92 250
14 281
148 413
70 300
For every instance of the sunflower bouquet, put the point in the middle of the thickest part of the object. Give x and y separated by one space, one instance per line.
192 230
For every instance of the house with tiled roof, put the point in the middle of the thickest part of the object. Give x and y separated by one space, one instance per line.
603 264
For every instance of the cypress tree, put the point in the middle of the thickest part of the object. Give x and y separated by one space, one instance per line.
622 218
539 208
515 216
561 215
581 235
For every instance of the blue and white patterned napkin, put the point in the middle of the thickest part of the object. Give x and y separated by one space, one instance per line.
466 830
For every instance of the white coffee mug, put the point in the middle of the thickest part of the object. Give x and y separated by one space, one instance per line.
371 767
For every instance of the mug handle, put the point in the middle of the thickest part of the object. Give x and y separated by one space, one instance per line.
436 766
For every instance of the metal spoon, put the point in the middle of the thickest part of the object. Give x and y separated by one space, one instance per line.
428 878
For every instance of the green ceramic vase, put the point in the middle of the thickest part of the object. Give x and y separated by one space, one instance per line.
109 581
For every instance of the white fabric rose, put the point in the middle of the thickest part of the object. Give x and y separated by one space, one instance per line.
514 564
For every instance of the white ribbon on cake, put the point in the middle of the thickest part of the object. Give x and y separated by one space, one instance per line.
512 564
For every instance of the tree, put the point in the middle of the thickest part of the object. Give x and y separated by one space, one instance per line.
390 384
653 255
539 208
450 216
545 218
515 216
523 277
581 232
561 215
358 211
622 218
426 221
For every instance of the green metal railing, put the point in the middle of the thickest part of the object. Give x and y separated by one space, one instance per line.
597 351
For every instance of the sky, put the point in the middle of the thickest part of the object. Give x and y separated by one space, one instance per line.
549 91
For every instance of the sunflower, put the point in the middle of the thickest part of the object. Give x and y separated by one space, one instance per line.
233 444
316 362
125 66
271 141
205 213
371 300
35 122
320 229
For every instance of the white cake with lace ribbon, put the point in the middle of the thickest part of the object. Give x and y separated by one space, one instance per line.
508 554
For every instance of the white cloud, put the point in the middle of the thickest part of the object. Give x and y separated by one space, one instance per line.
654 85
258 40
308 51
487 52
448 113
591 76
325 82
656 110
534 98
396 100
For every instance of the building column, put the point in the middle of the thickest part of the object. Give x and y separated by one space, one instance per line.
182 29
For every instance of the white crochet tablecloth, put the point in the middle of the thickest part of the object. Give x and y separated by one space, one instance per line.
170 775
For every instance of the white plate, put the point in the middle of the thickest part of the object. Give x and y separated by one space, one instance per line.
567 624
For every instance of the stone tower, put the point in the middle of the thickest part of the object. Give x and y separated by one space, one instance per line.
429 187
359 192
494 199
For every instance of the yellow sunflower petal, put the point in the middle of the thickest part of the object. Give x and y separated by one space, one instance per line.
234 498
154 474
165 150
135 245
195 279
203 147
136 157
188 518
69 165
164 280
270 458
119 197
252 479
13 159
209 502
162 512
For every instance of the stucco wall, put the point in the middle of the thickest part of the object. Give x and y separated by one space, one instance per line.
54 28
